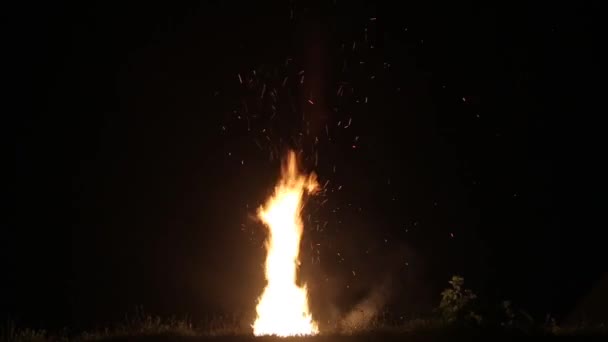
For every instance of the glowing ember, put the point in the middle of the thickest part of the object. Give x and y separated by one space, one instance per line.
283 307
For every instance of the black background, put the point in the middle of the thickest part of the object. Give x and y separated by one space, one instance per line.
478 154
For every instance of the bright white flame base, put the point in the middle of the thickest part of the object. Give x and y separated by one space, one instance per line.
282 309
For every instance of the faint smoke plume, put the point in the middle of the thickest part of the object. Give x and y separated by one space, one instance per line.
366 312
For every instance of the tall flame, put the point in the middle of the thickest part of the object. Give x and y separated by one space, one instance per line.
282 309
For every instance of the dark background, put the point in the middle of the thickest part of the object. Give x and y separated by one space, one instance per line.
140 158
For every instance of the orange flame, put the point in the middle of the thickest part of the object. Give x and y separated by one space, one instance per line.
282 309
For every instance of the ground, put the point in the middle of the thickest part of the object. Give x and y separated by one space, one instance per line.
364 337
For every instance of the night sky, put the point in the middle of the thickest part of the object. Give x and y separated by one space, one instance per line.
461 139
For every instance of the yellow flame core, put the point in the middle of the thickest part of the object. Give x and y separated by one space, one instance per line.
282 309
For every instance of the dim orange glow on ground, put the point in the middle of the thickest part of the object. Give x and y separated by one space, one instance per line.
282 309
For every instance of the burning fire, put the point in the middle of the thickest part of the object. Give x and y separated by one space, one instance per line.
282 309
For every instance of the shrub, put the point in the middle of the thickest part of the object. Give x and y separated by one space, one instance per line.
457 302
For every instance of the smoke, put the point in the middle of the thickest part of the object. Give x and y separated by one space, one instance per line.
365 313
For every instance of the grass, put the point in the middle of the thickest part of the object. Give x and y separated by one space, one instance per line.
457 318
10 332
148 328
